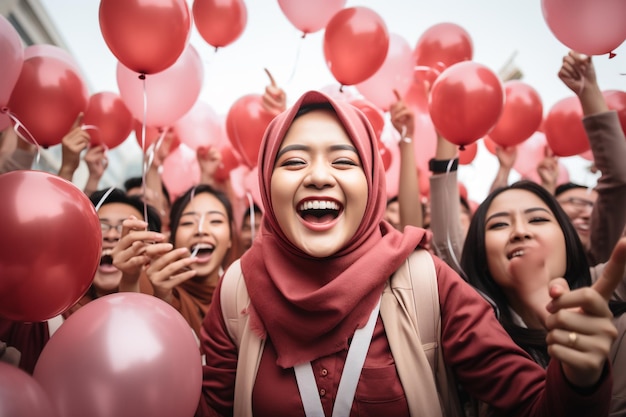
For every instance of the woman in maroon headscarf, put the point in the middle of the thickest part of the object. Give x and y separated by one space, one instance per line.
315 276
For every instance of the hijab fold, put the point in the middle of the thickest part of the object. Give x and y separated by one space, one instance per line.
309 307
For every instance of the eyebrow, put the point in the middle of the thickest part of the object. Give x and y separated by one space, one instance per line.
507 214
189 213
296 147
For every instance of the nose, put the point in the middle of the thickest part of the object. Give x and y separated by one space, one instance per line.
519 231
319 175
204 227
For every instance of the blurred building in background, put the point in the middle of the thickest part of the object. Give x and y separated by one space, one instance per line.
32 22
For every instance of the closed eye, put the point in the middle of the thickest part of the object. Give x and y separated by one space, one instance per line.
497 225
538 220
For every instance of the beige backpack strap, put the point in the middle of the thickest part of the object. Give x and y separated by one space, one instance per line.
234 300
399 315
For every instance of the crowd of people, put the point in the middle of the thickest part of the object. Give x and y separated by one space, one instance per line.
530 284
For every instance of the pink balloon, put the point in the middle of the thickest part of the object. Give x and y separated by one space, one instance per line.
199 127
21 395
125 354
12 55
562 178
310 16
396 73
530 153
169 94
180 170
590 27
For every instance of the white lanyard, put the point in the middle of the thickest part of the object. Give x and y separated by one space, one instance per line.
349 378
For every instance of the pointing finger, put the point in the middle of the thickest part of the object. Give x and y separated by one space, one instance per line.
613 271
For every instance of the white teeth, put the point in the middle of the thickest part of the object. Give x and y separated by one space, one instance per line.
107 252
202 246
516 254
318 205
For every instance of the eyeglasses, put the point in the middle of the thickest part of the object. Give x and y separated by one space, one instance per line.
105 227
578 203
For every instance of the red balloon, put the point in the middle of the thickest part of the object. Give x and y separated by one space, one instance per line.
467 155
55 245
442 45
466 102
220 22
490 144
521 115
356 41
47 99
616 100
230 161
107 119
564 128
246 122
21 395
310 16
125 354
147 36
373 114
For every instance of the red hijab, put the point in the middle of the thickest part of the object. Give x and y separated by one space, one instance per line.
309 307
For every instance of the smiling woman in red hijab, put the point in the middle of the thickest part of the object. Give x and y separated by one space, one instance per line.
316 275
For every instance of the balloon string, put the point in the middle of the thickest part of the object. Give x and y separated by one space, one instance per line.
251 212
16 128
104 197
296 61
142 77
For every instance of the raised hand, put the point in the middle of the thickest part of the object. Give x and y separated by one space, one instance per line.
580 327
134 251
73 143
274 99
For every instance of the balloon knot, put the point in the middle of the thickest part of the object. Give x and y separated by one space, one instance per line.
462 147
216 48
142 76
341 88
303 35
612 55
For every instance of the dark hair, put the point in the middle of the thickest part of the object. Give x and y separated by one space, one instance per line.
255 208
392 199
181 202
136 182
119 196
566 187
476 270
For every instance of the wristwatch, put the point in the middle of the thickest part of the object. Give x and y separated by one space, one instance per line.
440 166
